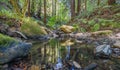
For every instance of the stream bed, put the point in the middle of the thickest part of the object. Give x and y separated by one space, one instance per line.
46 56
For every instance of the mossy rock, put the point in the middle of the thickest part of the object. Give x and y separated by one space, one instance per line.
5 40
14 50
11 48
33 29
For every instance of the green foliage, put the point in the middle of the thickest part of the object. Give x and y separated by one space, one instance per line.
61 16
82 29
96 27
91 22
6 40
52 22
30 26
8 14
76 26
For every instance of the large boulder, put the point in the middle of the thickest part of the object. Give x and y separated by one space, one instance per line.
11 49
67 29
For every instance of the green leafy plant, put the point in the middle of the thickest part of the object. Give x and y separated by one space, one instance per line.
96 27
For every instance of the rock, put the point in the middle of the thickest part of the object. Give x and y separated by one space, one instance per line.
116 44
115 37
76 65
67 42
35 30
103 51
14 50
39 38
92 66
67 29
118 34
116 53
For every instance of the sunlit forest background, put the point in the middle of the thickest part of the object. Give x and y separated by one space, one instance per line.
54 13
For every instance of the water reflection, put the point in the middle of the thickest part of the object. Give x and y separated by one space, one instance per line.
55 53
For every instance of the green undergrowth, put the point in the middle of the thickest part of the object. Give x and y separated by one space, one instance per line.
102 18
6 40
30 26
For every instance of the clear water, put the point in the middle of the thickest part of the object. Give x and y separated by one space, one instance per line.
47 53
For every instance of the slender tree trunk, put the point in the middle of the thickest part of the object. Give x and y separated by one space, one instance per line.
85 5
32 7
78 6
45 12
53 7
29 8
39 9
111 2
98 3
72 9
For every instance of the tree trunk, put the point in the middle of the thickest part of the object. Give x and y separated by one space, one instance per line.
72 9
111 2
39 9
85 5
45 12
32 7
53 7
29 8
78 6
98 3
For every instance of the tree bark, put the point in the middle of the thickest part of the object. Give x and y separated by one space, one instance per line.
78 6
29 8
111 2
53 7
85 5
32 7
98 3
45 12
72 9
39 9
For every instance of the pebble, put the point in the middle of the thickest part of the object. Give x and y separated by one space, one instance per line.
117 44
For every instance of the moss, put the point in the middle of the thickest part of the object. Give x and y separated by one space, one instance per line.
6 40
31 27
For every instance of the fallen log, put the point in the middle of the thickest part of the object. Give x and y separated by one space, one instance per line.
21 34
105 32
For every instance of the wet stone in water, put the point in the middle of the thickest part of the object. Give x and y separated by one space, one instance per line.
103 51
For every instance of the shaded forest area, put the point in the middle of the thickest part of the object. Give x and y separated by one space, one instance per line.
59 34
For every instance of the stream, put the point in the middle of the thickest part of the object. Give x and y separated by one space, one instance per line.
56 53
